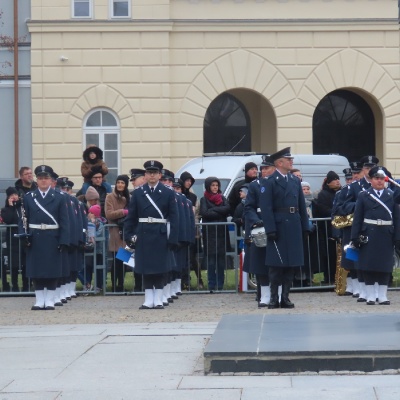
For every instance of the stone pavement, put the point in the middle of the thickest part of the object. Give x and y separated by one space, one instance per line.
47 356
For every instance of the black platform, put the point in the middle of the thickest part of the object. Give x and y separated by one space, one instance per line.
296 343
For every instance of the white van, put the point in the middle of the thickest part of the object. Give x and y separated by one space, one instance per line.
229 168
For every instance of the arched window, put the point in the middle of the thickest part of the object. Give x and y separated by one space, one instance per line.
344 123
226 126
101 128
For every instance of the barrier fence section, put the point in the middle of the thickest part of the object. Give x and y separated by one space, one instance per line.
212 263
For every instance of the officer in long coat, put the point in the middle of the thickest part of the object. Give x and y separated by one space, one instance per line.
375 231
255 256
48 224
285 218
348 207
151 228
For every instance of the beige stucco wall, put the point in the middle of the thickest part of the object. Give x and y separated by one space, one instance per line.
159 77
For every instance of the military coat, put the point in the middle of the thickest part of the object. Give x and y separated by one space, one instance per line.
377 253
278 196
43 255
254 261
152 238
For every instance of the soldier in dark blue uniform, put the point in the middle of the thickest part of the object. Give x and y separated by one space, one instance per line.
47 221
285 218
255 256
151 228
352 284
348 207
377 218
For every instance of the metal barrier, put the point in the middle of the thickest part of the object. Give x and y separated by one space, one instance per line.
211 251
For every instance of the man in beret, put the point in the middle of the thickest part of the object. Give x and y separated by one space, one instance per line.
250 173
285 218
48 225
376 227
151 228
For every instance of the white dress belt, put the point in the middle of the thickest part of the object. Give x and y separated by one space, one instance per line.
377 222
151 220
43 226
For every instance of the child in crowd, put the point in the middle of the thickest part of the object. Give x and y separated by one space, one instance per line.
95 233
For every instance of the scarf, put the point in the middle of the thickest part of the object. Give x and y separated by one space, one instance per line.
214 198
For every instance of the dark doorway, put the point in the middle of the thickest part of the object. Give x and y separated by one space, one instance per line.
343 123
226 126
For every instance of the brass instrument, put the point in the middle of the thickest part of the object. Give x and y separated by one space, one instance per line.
342 221
341 273
24 220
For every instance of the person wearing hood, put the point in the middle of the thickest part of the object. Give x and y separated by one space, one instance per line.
92 157
25 183
323 209
250 173
11 215
116 209
214 207
194 248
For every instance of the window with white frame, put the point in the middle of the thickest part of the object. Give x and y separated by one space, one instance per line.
101 128
120 8
81 8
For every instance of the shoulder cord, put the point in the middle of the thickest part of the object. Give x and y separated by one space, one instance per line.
45 211
155 205
381 203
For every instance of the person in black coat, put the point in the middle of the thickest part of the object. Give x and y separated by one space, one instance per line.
10 215
376 231
250 173
194 248
214 208
323 209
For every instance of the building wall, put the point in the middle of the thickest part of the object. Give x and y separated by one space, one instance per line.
160 71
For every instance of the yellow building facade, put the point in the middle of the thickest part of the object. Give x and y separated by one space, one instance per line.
141 84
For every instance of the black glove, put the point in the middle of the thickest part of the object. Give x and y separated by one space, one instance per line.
272 236
356 243
258 224
397 245
27 241
173 246
132 242
63 248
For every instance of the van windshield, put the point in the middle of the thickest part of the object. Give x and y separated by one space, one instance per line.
198 187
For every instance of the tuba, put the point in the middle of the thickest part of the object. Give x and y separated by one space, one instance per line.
341 273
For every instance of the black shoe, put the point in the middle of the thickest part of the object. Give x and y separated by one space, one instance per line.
159 307
348 294
356 296
370 303
58 304
361 300
165 304
64 301
170 300
36 308
262 305
143 307
273 305
385 303
50 308
175 297
287 304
